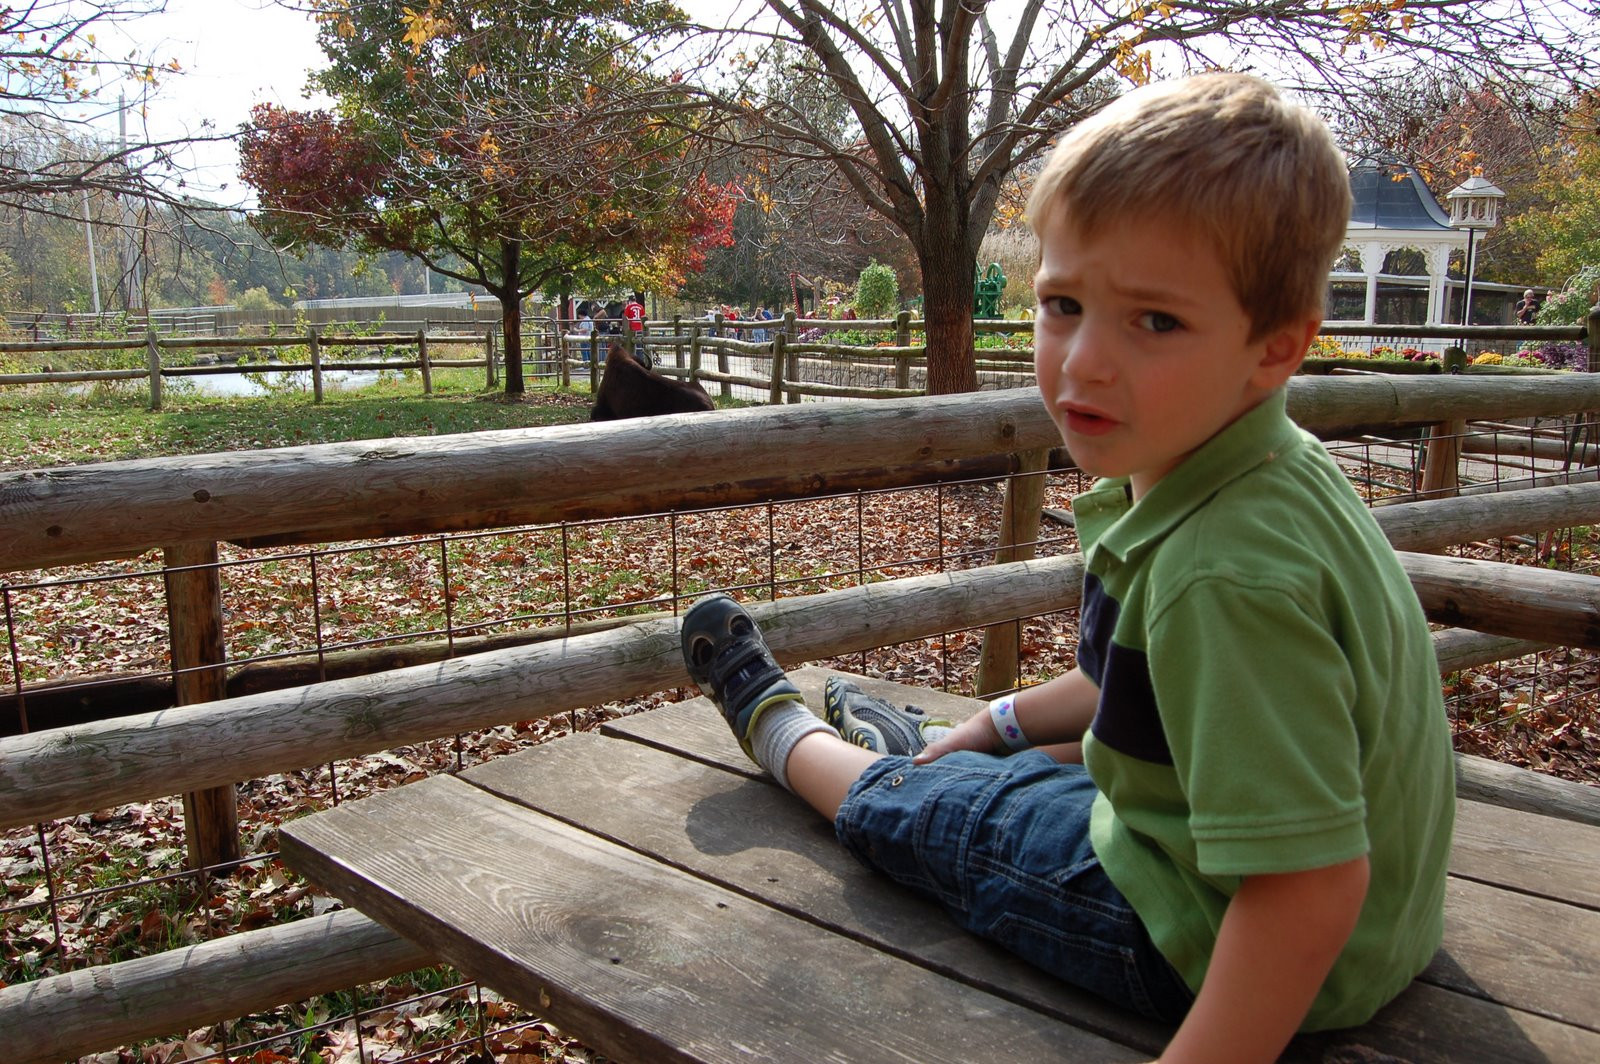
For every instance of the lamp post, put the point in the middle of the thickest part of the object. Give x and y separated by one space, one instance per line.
1474 205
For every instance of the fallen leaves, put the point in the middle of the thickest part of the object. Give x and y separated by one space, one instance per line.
120 888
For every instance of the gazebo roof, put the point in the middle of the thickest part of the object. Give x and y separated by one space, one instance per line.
1387 194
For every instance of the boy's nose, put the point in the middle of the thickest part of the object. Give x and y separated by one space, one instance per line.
1088 356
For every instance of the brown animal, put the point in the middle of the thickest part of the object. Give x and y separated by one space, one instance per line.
627 390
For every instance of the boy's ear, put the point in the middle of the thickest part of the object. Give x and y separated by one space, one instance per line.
1284 351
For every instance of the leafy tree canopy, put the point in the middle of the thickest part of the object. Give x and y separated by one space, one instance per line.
504 145
1567 224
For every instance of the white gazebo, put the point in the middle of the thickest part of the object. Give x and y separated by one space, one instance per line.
1392 210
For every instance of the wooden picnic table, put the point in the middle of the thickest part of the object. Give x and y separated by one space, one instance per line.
649 891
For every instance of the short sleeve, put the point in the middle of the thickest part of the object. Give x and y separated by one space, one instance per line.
1256 697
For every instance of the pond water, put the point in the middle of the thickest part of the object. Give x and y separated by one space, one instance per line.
238 384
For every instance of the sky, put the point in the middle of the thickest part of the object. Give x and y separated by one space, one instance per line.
233 54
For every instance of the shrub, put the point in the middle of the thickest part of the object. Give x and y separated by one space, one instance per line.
1570 306
1017 251
257 298
1564 354
877 292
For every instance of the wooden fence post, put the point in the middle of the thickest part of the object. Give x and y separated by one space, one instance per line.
791 367
153 358
562 353
677 339
423 362
1591 424
902 338
694 352
1441 459
314 342
1593 329
722 359
780 353
194 624
1441 470
491 374
1019 536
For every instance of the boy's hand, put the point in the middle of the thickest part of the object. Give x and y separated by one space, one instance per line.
974 733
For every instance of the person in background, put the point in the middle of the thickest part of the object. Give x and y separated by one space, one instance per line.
585 327
633 314
1527 307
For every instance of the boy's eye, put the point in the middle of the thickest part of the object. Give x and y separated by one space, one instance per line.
1158 322
1060 305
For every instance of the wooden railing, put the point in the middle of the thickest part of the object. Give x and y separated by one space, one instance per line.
316 343
308 494
682 347
790 346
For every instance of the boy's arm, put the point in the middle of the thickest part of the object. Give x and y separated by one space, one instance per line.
1056 711
1279 937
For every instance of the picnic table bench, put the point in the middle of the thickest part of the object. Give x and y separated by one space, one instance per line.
649 891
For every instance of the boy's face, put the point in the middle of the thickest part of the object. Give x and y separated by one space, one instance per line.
1142 349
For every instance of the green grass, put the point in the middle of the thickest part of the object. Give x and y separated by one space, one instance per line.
41 428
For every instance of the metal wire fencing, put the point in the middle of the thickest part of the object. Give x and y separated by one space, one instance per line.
110 885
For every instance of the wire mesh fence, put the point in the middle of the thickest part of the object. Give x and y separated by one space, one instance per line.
113 884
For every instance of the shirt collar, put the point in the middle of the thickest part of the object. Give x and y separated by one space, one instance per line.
1107 517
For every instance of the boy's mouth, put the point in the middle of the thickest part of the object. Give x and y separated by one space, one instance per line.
1086 421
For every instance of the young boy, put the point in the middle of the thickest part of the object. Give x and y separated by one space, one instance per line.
1256 840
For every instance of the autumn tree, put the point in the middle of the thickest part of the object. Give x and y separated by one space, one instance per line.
1566 222
949 97
502 145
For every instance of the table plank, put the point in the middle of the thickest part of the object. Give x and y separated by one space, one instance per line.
1541 855
1514 948
642 961
754 838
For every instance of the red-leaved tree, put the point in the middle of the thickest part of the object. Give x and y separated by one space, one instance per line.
497 146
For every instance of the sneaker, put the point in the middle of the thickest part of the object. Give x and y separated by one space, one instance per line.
730 663
872 723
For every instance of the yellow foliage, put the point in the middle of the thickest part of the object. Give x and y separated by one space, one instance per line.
423 26
1133 64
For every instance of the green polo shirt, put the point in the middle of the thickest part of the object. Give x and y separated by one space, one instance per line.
1269 702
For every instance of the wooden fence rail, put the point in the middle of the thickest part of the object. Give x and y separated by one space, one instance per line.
792 342
81 513
48 774
478 480
313 339
65 771
786 347
332 492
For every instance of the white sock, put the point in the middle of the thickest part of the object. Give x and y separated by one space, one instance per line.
779 727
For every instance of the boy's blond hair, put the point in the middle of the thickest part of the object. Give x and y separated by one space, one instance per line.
1227 157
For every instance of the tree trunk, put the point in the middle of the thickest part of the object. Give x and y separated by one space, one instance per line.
947 290
511 314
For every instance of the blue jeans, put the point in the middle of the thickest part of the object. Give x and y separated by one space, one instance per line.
1003 844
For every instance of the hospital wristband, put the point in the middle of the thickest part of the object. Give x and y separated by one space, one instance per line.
1003 715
